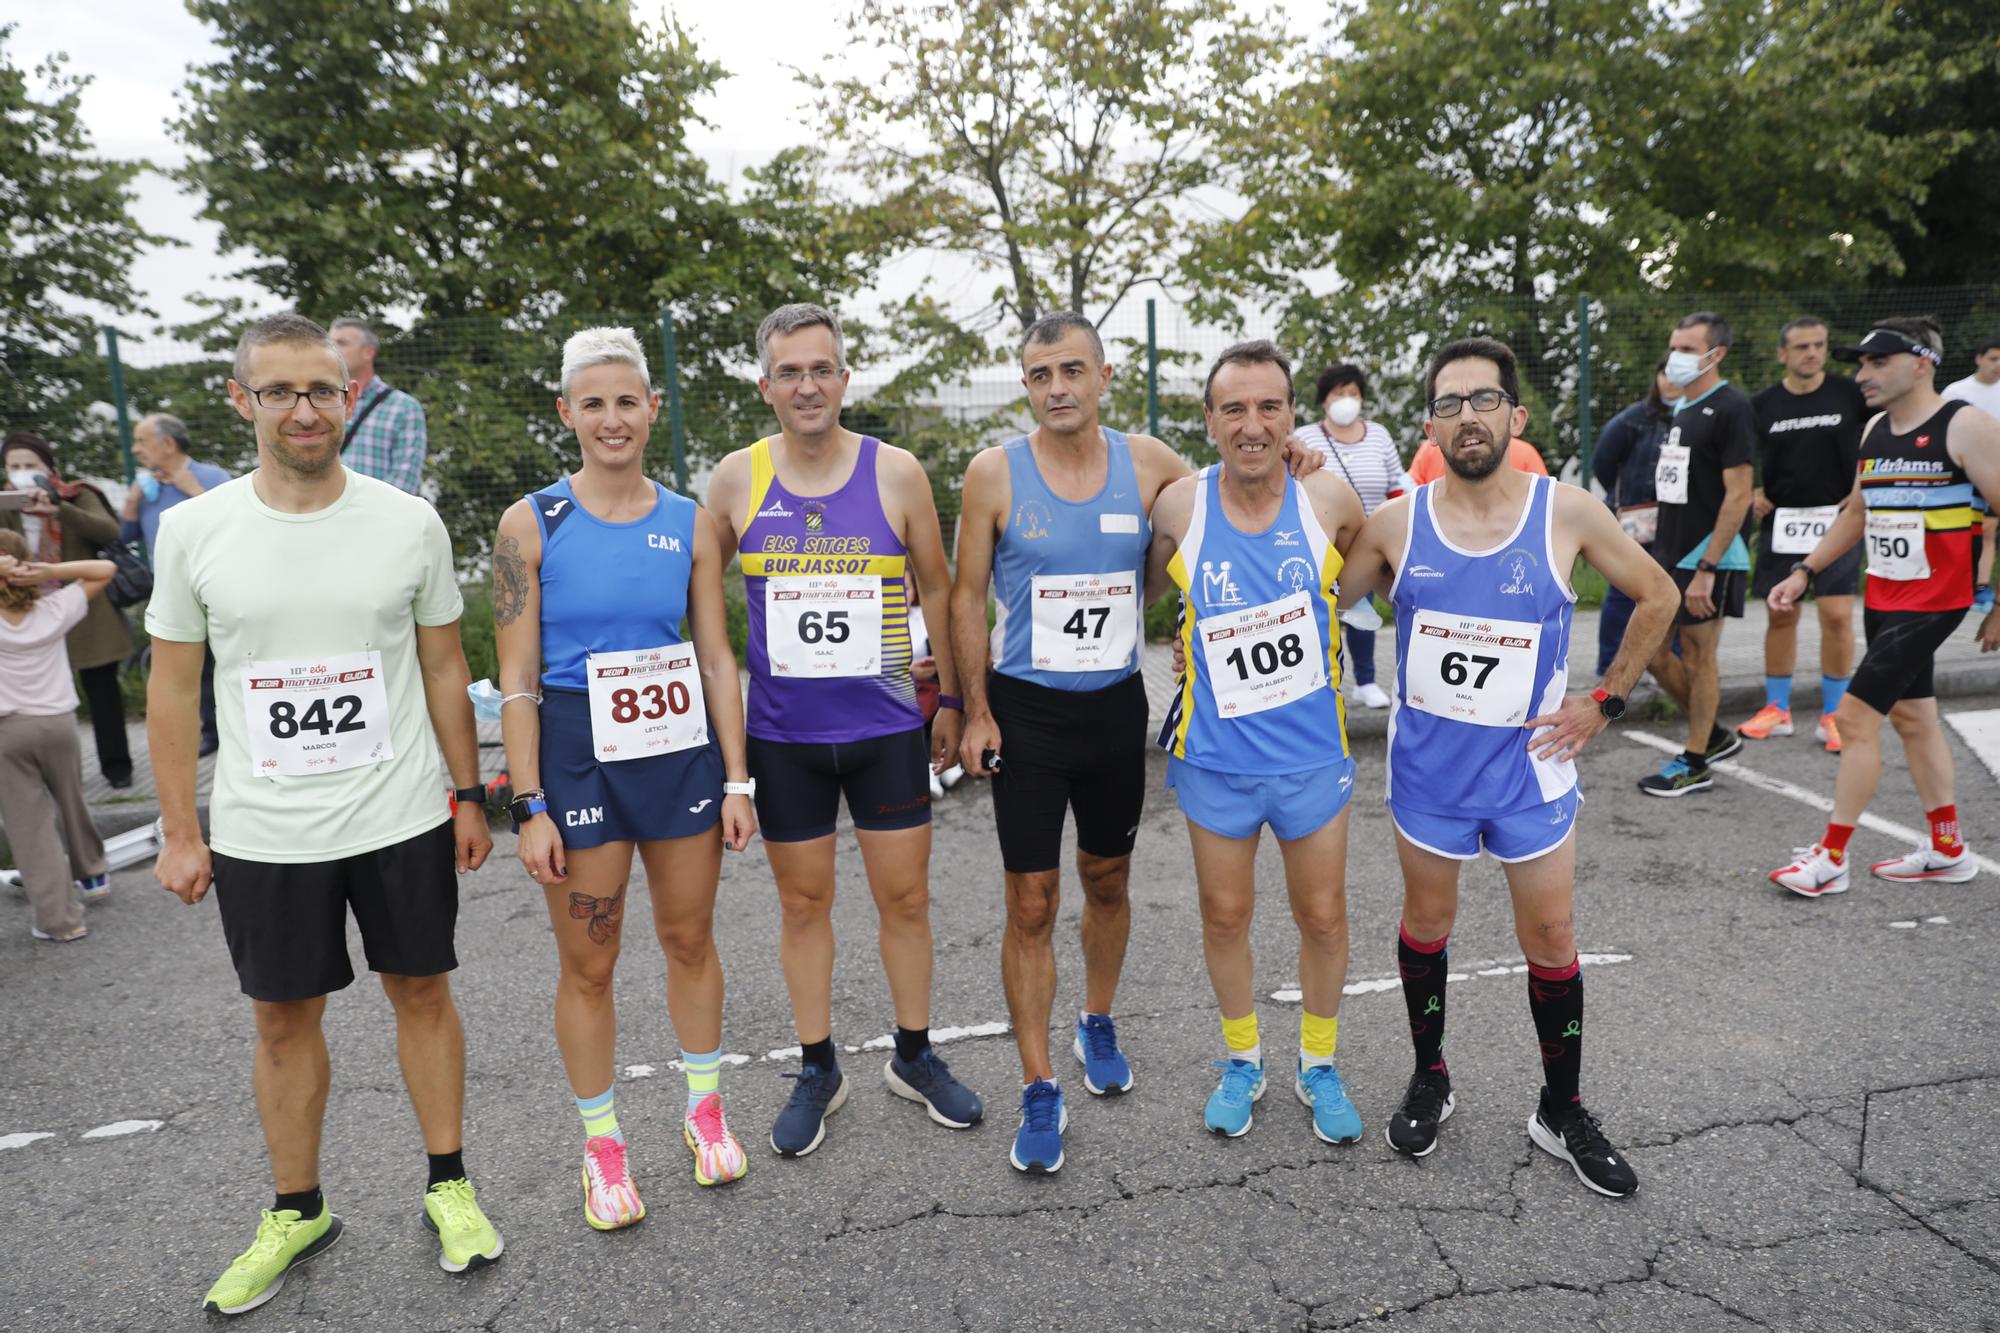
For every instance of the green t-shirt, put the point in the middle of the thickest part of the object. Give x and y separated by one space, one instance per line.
267 587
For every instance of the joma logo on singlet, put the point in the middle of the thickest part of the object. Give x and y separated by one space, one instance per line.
663 543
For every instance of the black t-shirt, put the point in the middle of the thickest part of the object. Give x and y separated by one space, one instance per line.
1809 444
1719 432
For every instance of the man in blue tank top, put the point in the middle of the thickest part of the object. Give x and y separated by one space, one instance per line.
1484 735
1257 734
1056 523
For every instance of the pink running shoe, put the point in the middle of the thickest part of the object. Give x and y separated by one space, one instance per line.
1770 721
610 1195
718 1157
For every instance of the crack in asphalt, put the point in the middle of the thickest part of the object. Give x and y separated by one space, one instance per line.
1863 1179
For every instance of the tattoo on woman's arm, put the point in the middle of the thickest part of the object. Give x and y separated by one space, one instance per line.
510 582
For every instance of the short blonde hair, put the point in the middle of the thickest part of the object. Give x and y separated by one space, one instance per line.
15 596
608 346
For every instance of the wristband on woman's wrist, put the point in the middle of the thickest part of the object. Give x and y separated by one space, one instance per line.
951 701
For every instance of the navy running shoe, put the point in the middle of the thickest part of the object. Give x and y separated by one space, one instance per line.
1038 1145
928 1079
1105 1069
801 1126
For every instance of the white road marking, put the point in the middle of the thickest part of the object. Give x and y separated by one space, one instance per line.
1292 994
1902 925
1823 804
20 1140
1927 921
118 1128
1980 730
1937 920
639 1071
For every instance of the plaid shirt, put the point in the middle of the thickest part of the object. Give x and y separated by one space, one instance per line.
391 443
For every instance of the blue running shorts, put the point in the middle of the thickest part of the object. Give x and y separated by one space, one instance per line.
1236 805
633 800
1520 836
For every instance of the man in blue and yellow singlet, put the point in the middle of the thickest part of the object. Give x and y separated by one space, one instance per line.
1484 734
1256 732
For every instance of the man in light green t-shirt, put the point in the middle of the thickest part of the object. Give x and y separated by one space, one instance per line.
329 601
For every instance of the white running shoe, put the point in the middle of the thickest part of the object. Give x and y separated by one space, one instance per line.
952 776
1813 873
937 788
1928 863
1370 696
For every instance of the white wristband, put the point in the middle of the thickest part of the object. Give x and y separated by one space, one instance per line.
740 788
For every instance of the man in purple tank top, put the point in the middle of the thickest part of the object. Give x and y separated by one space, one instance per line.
831 525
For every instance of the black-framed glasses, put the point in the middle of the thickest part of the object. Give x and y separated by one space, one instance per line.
791 376
1482 400
323 397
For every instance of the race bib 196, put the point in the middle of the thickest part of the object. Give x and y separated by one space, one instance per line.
1797 531
645 702
1670 474
1475 669
823 625
1084 622
1262 656
311 716
1896 545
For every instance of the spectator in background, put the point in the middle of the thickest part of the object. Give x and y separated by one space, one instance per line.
1365 455
41 767
1628 449
71 521
386 435
162 447
1428 465
1982 389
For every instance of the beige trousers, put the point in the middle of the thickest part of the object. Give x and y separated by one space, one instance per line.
42 806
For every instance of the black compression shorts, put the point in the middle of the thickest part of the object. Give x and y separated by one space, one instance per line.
1902 649
1064 750
886 780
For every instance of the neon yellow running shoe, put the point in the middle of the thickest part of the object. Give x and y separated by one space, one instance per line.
451 1209
284 1241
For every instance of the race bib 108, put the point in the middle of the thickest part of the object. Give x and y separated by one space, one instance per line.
1264 656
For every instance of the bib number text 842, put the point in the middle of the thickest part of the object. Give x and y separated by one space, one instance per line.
287 722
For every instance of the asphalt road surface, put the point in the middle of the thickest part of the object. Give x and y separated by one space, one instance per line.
1808 1090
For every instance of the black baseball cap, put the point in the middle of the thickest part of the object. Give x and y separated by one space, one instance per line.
1886 342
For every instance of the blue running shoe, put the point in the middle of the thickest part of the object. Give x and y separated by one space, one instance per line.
1105 1068
1229 1105
94 889
928 1079
1038 1145
1334 1118
801 1126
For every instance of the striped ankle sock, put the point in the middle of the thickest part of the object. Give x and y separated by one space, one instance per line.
704 1075
600 1120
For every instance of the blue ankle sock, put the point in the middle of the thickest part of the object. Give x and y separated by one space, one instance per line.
1832 689
1778 690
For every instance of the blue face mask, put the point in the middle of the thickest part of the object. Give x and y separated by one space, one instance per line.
149 486
1684 368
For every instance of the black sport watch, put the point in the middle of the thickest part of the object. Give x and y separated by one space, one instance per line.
1609 704
1706 567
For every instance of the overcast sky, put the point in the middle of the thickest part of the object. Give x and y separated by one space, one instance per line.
137 53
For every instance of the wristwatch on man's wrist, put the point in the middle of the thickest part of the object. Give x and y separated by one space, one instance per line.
1706 567
1609 704
469 795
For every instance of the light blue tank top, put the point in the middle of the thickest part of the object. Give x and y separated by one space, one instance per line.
1049 537
610 587
1224 576
1491 651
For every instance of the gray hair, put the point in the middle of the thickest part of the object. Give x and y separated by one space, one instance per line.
1052 328
790 319
170 427
368 338
1797 322
602 346
290 329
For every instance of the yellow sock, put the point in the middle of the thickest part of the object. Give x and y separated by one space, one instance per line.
1318 1035
1240 1035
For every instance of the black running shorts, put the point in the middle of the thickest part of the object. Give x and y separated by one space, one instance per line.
1727 595
1842 578
1902 648
1063 750
286 922
886 780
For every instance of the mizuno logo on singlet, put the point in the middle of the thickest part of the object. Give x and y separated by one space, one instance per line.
1285 537
775 509
1424 572
555 509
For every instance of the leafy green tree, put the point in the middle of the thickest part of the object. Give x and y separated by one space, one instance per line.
70 242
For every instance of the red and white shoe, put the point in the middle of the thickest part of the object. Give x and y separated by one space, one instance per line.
610 1195
1928 863
1813 873
1828 732
718 1157
1770 721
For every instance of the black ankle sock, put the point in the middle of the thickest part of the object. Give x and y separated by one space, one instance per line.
1423 973
308 1204
446 1166
911 1042
818 1053
1555 999
1695 760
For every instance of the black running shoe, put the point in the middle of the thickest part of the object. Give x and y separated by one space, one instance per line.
1722 742
1427 1103
1576 1138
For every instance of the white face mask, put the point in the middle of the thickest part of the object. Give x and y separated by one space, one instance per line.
1685 368
1343 411
24 479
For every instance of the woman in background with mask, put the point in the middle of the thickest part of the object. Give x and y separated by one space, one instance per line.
68 521
1362 452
